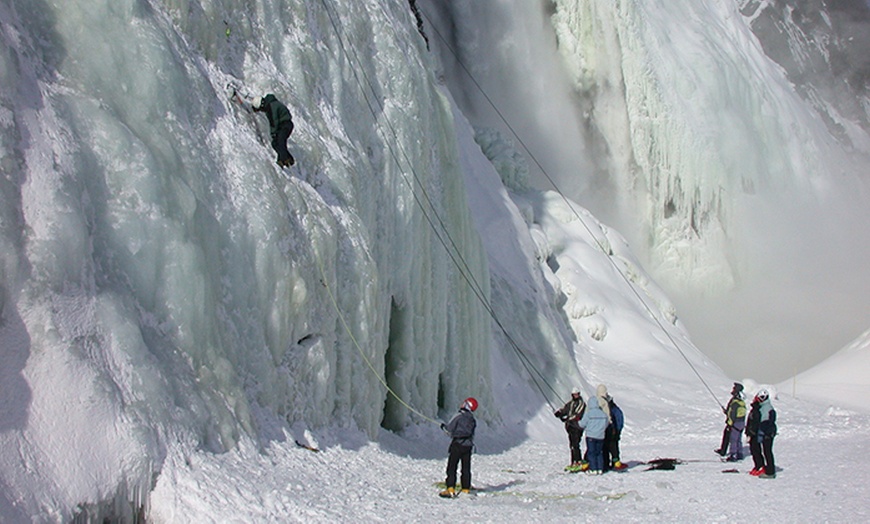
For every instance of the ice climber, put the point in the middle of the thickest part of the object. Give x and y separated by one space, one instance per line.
613 432
461 430
760 430
735 419
595 421
280 126
570 414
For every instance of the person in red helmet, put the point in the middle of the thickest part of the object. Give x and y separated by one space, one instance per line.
461 430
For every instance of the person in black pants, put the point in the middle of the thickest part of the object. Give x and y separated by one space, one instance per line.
761 430
612 435
570 414
280 126
461 430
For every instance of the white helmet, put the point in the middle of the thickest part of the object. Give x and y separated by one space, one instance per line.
257 102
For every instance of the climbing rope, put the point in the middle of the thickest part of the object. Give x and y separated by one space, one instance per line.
571 207
359 348
430 211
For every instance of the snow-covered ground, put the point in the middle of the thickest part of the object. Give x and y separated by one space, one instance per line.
821 453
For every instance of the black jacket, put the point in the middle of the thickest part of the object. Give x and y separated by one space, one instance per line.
277 113
461 428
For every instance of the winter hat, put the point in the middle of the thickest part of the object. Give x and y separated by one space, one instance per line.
603 400
738 386
575 391
257 102
762 395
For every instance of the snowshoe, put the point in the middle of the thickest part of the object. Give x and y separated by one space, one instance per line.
619 466
573 468
720 452
448 493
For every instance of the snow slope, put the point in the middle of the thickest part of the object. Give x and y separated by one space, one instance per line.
841 380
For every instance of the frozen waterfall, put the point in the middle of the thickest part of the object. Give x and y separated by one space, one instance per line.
167 281
670 121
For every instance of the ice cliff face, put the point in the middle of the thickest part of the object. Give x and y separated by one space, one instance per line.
822 46
162 275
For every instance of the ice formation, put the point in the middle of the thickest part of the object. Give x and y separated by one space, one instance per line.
680 124
165 288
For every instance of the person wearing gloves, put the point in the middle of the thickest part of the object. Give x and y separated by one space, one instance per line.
595 421
280 125
570 414
735 418
760 431
461 430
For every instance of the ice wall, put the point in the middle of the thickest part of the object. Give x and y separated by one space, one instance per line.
742 193
694 143
163 281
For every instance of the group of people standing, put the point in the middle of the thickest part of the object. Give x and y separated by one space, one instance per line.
602 421
760 430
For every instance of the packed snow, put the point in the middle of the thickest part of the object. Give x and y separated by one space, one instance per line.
821 453
192 334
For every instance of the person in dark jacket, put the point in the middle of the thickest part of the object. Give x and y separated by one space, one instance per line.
613 432
280 126
735 420
760 431
570 414
461 430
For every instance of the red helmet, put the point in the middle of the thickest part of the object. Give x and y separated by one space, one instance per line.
470 404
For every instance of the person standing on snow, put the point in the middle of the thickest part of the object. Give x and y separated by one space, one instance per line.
280 126
570 414
735 419
760 430
461 430
595 421
613 432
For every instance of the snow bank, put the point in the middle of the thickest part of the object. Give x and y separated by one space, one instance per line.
842 380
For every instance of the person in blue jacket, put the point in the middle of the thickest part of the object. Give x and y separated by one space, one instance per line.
595 421
461 429
280 125
613 432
